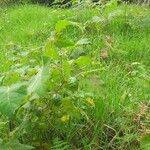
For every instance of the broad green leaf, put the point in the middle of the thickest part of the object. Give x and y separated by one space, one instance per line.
64 42
12 77
62 25
39 83
77 52
83 41
51 51
11 97
83 61
14 145
66 69
56 75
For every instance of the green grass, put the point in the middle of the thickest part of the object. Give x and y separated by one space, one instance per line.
30 26
121 88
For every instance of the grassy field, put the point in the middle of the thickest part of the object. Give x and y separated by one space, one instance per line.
118 115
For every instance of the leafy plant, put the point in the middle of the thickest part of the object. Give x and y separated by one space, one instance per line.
81 88
14 145
54 86
11 97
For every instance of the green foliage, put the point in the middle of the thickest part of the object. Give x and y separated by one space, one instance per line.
63 24
14 145
54 82
39 83
62 93
61 145
11 98
145 144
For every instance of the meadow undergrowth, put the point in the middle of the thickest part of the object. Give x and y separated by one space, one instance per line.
75 78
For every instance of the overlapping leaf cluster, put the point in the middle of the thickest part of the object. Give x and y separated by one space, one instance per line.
46 92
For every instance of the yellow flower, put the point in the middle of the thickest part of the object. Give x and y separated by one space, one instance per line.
65 118
90 101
